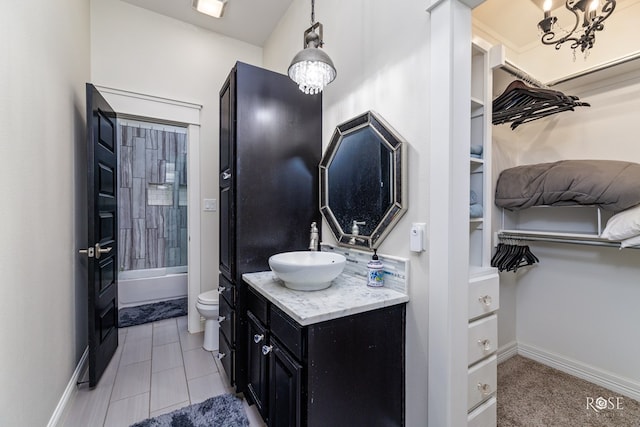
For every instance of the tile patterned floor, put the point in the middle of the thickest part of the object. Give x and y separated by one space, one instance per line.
158 367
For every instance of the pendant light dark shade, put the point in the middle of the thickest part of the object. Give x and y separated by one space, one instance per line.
311 68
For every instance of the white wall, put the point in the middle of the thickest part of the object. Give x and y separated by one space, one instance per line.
381 55
140 51
44 65
580 302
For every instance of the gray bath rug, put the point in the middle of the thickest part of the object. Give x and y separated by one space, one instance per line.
152 312
219 411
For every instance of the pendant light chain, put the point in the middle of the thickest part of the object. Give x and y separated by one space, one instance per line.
313 12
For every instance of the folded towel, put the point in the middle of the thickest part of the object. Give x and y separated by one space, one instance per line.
473 197
476 149
475 210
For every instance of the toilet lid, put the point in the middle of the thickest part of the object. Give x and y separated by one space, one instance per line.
209 297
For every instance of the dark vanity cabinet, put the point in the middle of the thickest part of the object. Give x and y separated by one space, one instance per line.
346 372
270 148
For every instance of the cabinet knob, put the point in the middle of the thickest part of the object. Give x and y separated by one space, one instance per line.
221 319
266 349
485 300
221 356
221 289
485 389
257 338
486 344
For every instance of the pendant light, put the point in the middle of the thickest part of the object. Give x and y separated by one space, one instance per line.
311 68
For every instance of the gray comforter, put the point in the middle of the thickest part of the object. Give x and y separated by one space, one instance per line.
612 185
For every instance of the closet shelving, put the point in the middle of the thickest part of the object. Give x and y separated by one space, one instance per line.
532 224
483 284
549 221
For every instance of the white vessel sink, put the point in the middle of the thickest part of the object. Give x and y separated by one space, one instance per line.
307 270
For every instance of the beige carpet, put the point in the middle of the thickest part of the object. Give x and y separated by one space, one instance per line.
533 395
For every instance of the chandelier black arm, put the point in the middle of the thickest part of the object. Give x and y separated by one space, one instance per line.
587 39
547 38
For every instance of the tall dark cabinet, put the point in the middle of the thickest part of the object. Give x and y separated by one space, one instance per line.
270 148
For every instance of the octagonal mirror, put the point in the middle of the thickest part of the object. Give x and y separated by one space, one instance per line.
363 181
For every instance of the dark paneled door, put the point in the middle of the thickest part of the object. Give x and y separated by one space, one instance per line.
102 252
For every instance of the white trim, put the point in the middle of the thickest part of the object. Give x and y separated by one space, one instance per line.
507 351
194 256
137 104
69 391
608 380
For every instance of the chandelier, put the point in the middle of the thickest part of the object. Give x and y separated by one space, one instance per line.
586 13
311 68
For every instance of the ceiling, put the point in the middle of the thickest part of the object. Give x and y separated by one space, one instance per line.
251 21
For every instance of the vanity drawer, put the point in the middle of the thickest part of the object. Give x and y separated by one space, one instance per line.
484 293
483 338
484 415
227 290
226 320
483 380
288 332
257 305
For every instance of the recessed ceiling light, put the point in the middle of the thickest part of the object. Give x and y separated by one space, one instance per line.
213 8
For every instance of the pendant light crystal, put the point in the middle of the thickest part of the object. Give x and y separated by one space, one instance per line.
311 68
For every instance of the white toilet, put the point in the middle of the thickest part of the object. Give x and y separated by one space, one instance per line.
208 308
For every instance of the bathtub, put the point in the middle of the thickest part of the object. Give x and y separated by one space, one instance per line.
137 287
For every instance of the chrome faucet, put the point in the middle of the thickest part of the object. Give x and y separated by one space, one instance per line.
314 238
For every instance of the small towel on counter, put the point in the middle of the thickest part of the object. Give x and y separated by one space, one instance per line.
475 210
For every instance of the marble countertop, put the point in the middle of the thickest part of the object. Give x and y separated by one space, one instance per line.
347 295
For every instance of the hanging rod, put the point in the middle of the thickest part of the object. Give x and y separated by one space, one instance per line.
571 238
601 67
515 71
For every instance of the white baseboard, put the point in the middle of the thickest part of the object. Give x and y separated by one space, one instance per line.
507 351
71 389
608 380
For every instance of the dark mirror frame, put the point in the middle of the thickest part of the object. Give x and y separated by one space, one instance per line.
397 146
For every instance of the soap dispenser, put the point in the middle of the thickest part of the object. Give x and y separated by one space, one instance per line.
376 272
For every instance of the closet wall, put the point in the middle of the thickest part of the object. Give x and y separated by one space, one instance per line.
578 308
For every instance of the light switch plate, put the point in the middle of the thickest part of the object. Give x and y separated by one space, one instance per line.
210 205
